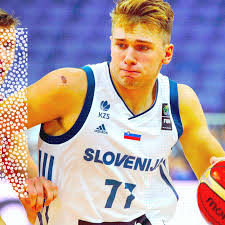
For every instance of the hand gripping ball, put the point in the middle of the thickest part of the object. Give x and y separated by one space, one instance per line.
211 194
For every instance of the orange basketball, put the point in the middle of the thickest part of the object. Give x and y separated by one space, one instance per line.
211 194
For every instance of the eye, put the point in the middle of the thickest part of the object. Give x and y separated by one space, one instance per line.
122 46
142 47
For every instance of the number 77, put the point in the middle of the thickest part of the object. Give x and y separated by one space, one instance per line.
115 185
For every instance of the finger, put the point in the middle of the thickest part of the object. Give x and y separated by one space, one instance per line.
23 197
55 193
49 191
40 194
32 193
214 159
52 192
24 193
25 201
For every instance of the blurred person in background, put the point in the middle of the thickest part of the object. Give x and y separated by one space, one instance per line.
107 129
8 41
8 24
7 49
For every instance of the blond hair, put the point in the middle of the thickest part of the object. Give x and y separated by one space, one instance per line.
148 12
7 20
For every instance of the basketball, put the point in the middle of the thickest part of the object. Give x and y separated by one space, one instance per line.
211 194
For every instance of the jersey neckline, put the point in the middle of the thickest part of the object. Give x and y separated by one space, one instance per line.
133 115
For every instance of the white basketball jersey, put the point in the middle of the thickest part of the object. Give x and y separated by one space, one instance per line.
112 165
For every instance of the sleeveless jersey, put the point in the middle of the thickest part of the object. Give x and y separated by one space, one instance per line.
112 165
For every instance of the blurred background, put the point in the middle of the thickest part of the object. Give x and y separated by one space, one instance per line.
73 33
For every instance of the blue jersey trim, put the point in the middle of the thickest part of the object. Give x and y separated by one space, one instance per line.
167 182
134 116
44 164
49 167
40 218
174 103
39 163
46 214
82 117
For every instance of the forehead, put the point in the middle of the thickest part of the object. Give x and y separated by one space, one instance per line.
136 32
7 33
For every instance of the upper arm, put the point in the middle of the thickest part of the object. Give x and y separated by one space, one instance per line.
52 97
198 143
55 95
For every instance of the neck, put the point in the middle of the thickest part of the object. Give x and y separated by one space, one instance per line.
138 100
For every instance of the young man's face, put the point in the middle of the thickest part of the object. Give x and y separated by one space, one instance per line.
137 55
7 50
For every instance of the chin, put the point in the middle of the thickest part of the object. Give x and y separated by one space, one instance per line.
129 84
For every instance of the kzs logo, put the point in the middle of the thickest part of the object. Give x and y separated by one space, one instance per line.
105 106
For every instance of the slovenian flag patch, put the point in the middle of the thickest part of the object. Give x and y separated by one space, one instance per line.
131 136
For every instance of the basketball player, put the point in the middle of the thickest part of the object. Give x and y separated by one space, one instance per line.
108 129
7 41
7 48
8 24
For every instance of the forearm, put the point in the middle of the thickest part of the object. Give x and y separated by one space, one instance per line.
199 147
14 160
31 213
32 167
32 172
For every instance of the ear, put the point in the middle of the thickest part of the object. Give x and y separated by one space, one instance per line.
111 45
168 54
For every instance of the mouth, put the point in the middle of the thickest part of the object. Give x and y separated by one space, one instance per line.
131 73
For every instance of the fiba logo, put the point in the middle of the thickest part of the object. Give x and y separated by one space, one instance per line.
165 110
166 122
105 106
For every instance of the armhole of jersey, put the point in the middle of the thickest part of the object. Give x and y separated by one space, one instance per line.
82 117
174 104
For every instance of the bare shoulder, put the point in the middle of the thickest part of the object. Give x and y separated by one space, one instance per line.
69 76
187 96
190 108
55 95
64 81
63 78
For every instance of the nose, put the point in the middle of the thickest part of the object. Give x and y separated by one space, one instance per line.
130 57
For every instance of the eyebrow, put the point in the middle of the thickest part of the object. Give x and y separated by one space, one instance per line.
139 41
